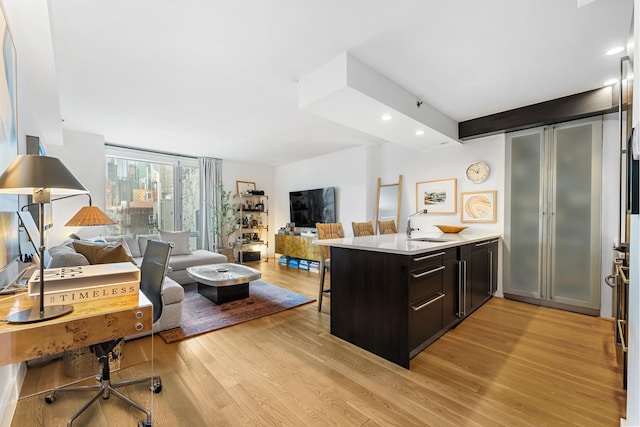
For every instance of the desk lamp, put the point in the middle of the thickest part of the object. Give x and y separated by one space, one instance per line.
41 176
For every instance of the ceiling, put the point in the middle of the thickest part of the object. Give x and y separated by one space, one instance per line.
220 78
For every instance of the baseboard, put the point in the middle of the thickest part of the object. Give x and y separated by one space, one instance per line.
552 304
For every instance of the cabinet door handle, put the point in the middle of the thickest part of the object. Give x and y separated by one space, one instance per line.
431 301
459 313
488 242
422 258
464 289
415 276
490 271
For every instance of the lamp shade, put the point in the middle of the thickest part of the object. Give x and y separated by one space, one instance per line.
28 173
88 216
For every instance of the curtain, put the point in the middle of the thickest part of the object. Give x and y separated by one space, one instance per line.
210 180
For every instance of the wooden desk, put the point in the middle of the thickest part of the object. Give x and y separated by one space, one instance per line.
90 322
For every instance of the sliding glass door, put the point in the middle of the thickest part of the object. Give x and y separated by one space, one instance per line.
149 191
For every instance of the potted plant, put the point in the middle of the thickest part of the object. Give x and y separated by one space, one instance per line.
225 222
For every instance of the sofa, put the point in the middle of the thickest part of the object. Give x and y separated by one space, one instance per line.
131 247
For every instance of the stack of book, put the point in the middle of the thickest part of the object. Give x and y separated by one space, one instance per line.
314 266
86 282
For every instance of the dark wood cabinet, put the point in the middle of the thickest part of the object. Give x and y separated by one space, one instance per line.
391 305
450 289
395 305
477 275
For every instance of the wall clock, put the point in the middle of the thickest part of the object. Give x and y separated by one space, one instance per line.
477 172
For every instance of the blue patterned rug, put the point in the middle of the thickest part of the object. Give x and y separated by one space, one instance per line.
200 315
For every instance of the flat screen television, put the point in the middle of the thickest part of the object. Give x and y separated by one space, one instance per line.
308 207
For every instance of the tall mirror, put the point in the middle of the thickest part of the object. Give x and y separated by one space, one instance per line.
388 204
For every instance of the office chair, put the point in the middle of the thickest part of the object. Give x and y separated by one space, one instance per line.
152 273
362 229
387 227
326 231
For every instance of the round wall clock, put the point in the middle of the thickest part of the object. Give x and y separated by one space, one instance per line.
478 172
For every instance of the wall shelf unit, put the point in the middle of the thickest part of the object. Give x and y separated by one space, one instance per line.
253 215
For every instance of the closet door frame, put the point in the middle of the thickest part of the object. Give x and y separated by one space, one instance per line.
544 295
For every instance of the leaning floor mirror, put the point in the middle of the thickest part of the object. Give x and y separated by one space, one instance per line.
388 203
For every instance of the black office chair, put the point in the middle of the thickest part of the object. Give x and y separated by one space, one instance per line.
152 273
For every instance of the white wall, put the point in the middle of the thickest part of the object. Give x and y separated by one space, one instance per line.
83 154
29 123
347 170
633 377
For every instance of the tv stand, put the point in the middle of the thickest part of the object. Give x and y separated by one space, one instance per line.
297 247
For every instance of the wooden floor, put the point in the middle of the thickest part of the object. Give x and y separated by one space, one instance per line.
508 364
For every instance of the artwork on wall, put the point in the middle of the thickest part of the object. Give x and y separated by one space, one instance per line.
8 143
244 187
8 121
438 197
478 206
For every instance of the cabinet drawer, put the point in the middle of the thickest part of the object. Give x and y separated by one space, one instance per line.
428 258
425 319
424 282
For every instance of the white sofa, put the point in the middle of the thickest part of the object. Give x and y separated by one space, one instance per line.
173 293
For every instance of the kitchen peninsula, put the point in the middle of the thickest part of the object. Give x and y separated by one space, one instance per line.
393 296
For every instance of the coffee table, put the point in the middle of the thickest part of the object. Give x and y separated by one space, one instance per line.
223 282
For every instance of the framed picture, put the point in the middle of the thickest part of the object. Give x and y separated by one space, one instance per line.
9 203
478 206
243 187
438 197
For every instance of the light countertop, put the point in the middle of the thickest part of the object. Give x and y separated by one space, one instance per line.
399 244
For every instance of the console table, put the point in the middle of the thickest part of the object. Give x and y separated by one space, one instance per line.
297 247
89 323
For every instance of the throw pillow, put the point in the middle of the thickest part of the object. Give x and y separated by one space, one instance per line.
180 240
103 253
143 239
129 241
65 256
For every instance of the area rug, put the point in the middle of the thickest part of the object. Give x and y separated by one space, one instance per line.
200 315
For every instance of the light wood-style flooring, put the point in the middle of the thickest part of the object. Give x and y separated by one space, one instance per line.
508 364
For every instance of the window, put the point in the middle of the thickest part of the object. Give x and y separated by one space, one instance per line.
150 191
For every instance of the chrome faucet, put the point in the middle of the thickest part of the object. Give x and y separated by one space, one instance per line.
409 229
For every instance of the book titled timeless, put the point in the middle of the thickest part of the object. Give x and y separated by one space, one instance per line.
86 283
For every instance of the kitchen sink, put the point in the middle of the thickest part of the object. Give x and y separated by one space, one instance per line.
430 239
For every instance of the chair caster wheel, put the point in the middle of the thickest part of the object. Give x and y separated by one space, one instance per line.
50 398
144 423
156 388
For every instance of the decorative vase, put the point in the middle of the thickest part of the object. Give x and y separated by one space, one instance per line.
228 252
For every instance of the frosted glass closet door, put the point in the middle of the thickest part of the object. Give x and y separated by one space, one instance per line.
552 226
524 226
574 223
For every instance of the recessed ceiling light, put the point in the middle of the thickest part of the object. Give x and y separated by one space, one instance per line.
386 117
419 132
611 82
615 50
